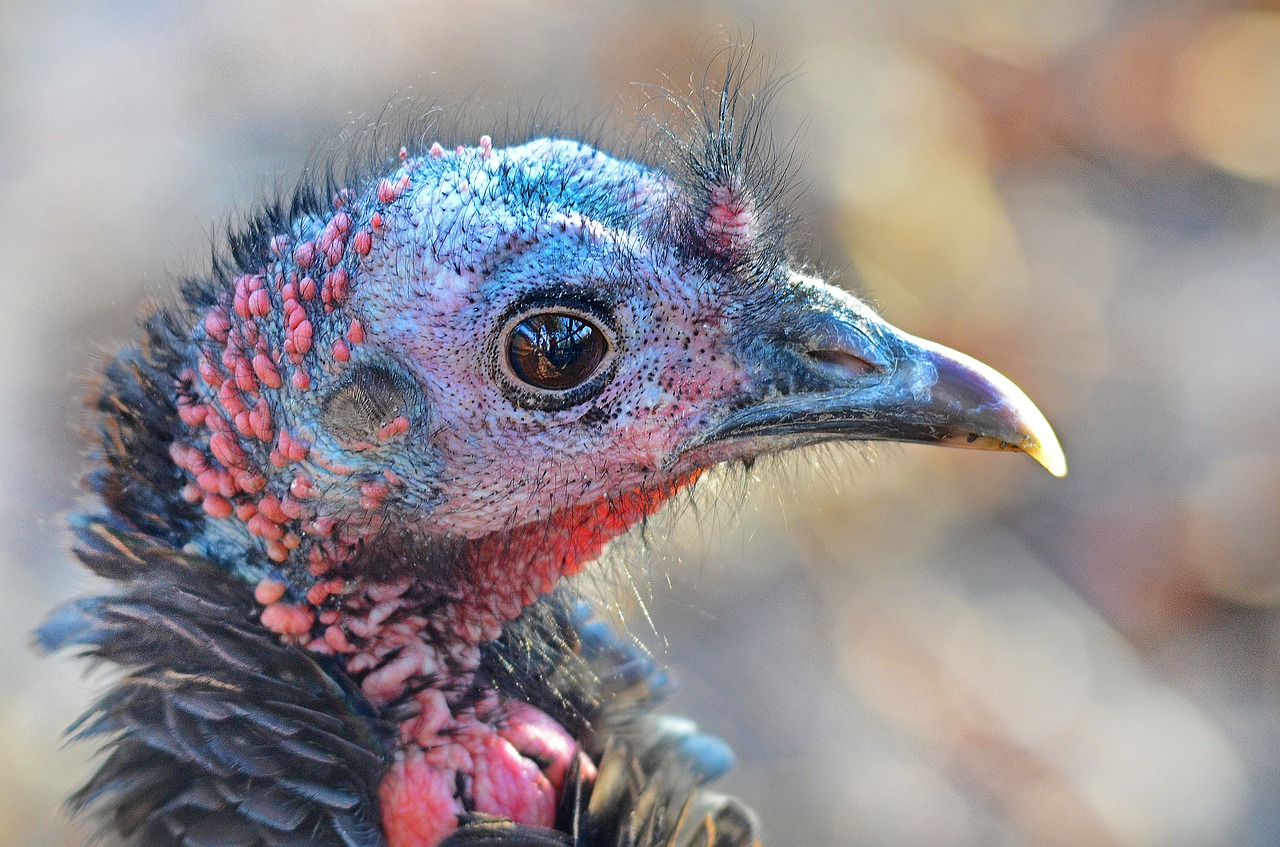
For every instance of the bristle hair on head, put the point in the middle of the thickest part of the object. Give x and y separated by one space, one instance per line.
369 148
738 185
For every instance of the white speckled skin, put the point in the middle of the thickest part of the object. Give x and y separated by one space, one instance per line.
462 248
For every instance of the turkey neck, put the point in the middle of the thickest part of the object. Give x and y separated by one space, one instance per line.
405 614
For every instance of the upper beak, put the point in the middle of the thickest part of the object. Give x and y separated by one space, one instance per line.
833 370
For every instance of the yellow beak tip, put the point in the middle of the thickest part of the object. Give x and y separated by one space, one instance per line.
1050 457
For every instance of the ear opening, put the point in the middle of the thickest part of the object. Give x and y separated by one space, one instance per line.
373 403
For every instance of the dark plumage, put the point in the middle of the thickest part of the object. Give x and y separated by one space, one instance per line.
343 476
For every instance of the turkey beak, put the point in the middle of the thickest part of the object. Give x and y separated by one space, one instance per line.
829 369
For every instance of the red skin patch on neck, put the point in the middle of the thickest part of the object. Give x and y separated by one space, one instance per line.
502 585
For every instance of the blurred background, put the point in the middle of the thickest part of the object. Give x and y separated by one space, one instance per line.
906 647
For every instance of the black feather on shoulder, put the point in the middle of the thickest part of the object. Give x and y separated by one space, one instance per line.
218 734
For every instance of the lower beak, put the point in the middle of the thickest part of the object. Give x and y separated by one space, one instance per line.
841 373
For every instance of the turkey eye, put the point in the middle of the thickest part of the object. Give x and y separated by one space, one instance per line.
555 351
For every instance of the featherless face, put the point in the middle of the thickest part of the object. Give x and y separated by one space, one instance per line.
486 339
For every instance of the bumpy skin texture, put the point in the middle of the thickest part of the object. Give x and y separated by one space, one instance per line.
338 523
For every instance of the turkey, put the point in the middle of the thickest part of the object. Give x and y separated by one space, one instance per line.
342 478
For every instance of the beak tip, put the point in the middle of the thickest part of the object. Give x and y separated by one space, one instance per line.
1040 441
995 413
1048 452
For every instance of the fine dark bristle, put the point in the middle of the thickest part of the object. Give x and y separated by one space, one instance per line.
135 476
718 137
716 132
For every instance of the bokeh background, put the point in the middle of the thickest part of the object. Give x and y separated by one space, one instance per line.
908 647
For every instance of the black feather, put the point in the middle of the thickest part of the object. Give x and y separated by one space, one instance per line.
216 716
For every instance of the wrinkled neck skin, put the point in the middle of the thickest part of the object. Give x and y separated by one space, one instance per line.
409 629
414 615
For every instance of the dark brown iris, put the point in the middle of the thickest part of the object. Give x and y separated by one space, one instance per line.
556 351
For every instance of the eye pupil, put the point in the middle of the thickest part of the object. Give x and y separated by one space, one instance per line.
555 351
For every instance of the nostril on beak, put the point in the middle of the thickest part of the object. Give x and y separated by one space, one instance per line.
842 362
